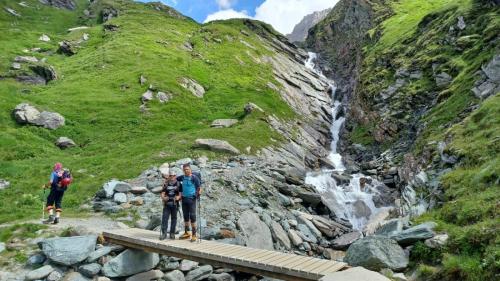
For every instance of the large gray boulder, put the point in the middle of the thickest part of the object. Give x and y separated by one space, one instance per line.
95 255
217 145
280 235
28 114
130 262
492 69
68 250
64 142
223 123
255 232
175 275
193 86
199 273
39 273
375 253
355 273
90 270
344 241
417 233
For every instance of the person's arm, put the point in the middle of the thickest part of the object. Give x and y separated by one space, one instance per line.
51 180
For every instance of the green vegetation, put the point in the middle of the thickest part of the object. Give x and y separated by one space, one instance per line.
98 92
418 36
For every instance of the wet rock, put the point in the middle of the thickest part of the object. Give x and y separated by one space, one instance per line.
146 276
64 142
223 123
199 273
68 250
130 262
255 232
193 86
417 233
361 210
217 145
90 270
39 273
355 273
391 227
343 242
311 198
175 275
375 253
187 265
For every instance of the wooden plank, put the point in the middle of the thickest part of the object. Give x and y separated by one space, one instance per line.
335 267
309 265
263 257
292 259
278 260
322 268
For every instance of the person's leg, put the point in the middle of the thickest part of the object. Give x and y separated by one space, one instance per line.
173 214
192 218
185 213
58 200
50 207
164 222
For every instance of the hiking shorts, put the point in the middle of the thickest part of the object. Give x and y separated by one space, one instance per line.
189 209
55 198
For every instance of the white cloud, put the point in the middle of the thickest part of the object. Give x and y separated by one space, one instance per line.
283 15
227 14
225 4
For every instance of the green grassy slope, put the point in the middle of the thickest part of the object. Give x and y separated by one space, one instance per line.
98 93
415 37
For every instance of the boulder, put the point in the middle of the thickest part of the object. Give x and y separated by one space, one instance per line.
391 227
251 107
67 48
223 123
74 276
47 72
90 270
163 97
295 238
146 276
130 262
221 277
33 260
68 250
120 198
50 120
334 254
492 69
25 59
306 234
61 4
417 233
26 114
375 253
15 66
188 265
437 241
54 276
39 273
280 235
64 142
443 79
355 273
4 184
194 87
109 187
343 242
217 145
255 232
138 190
175 275
95 255
122 186
147 96
199 273
311 198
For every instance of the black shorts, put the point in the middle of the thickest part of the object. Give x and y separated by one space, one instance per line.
189 209
55 198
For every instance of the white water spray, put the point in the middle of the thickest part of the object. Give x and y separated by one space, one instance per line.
354 201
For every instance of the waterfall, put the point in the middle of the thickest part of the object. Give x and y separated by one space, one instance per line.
352 201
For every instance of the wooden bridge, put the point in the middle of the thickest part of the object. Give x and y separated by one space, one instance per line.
244 259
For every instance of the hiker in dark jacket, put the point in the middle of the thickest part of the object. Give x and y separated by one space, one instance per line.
170 197
59 181
190 190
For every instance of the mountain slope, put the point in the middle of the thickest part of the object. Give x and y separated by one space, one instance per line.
98 92
299 32
420 82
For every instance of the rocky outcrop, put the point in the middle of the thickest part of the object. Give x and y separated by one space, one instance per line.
27 114
217 145
61 4
299 32
192 86
255 232
223 123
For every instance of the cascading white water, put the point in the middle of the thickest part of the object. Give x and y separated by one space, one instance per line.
354 201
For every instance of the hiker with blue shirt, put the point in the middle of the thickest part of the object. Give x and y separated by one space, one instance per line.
58 183
190 190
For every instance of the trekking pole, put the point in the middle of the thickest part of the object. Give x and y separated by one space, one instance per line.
43 203
199 218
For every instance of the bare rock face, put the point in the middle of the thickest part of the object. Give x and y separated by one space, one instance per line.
194 87
217 145
61 4
255 232
300 30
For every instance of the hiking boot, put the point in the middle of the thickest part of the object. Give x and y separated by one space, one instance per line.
193 238
186 235
163 236
56 220
49 220
172 236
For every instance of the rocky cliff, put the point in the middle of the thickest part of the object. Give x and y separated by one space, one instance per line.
419 86
300 30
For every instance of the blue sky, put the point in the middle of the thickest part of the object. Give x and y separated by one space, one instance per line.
283 15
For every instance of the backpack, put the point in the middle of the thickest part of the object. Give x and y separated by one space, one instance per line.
66 178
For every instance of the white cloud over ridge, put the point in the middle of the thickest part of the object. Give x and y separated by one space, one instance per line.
283 15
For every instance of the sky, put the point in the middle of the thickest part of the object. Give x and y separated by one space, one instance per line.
283 15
